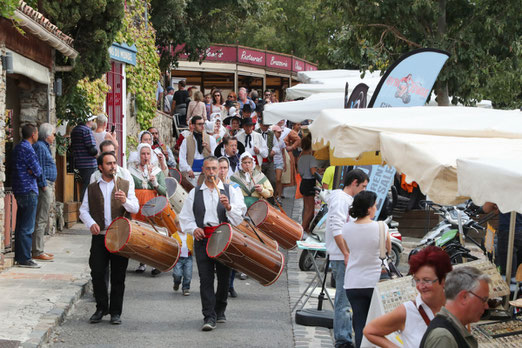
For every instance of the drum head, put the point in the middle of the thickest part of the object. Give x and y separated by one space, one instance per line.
258 212
154 206
172 186
175 174
117 234
219 240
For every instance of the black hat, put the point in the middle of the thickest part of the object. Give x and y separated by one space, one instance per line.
229 103
228 120
247 122
247 108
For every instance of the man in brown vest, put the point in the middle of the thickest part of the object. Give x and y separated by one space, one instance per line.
106 199
194 149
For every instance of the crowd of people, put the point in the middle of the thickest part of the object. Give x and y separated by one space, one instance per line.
233 158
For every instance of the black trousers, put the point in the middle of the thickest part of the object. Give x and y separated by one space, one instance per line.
99 263
85 174
360 300
213 303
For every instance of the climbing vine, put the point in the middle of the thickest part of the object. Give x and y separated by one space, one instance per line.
142 79
95 92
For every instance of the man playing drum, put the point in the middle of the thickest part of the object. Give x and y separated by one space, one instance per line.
104 200
207 206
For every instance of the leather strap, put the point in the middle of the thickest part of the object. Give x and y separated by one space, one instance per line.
422 313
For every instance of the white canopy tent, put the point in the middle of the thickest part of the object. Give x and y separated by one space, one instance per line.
334 85
350 132
318 75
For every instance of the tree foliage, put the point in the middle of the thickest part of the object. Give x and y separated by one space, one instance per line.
483 38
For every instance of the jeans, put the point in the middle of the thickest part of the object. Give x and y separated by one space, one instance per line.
183 269
45 199
342 309
232 277
25 218
360 300
85 174
213 303
99 261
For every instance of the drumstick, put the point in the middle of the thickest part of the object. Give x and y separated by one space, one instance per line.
280 207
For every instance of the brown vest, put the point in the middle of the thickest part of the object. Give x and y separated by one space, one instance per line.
96 202
191 147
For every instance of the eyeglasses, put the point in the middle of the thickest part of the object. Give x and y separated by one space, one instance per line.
217 95
230 96
482 299
415 281
267 94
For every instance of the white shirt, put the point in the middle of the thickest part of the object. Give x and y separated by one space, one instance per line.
414 326
364 266
339 203
184 250
120 173
278 147
211 198
257 141
183 164
131 204
285 132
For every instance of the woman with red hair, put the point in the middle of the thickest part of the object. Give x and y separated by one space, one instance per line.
411 319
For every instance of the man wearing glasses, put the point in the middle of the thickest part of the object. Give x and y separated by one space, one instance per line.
467 293
194 149
267 97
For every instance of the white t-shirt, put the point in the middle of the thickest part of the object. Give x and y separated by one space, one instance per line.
364 266
278 147
184 250
339 203
415 327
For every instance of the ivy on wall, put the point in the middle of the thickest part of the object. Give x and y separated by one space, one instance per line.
95 92
142 79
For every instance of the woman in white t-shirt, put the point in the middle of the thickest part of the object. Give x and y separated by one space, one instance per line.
429 268
279 156
364 266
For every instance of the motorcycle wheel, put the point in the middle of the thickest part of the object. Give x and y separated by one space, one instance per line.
395 255
305 260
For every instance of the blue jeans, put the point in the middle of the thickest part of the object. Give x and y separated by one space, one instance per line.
342 315
183 269
25 219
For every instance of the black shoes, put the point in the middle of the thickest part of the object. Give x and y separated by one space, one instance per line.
176 287
28 264
232 292
97 316
115 319
155 272
209 325
221 319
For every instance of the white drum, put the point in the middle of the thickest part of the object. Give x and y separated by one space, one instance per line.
176 194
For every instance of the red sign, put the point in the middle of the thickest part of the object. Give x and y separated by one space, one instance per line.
309 67
278 62
298 65
221 53
250 56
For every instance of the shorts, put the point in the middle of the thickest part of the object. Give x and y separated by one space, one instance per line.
307 187
279 165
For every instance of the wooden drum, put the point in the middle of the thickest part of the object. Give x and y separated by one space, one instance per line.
245 254
141 243
176 174
275 224
158 210
176 194
250 230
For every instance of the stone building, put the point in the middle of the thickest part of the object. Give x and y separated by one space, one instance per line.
27 94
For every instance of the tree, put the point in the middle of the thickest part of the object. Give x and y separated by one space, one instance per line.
483 38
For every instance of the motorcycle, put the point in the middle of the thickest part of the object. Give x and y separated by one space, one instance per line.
453 231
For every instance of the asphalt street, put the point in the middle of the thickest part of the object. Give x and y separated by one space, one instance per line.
156 316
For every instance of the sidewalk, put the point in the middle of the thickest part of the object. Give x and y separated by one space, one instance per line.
35 301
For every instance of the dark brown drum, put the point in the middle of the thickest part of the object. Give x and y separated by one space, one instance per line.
250 230
141 243
158 210
275 224
245 254
176 194
176 174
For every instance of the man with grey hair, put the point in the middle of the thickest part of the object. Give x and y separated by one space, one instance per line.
45 182
101 134
467 294
243 99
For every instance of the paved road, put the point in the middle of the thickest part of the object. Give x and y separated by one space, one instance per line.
155 316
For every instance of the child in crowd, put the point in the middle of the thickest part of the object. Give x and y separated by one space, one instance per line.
183 269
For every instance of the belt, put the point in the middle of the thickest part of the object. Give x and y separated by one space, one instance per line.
209 230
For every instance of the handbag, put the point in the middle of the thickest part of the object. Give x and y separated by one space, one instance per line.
387 266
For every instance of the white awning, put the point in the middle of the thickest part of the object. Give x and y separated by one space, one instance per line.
31 69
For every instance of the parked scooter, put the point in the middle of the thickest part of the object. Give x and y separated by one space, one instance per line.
451 233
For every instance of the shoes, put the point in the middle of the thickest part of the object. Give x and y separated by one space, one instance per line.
209 325
28 264
175 287
97 316
115 319
44 257
51 255
186 292
155 272
345 345
243 276
232 292
221 319
141 268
